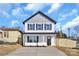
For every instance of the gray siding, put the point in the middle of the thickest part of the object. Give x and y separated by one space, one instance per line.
39 19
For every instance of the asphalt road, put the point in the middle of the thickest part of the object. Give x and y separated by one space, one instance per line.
37 51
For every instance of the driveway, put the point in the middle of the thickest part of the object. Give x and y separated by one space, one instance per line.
37 51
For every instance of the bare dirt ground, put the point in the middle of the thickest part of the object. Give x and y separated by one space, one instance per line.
5 49
69 51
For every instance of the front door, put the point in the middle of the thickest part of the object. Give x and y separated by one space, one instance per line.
49 40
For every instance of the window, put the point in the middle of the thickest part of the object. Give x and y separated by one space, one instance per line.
39 26
1 34
31 26
32 39
6 34
48 26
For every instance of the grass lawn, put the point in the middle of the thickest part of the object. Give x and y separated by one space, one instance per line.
69 51
5 49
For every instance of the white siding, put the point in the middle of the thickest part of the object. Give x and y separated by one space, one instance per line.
39 19
42 40
53 41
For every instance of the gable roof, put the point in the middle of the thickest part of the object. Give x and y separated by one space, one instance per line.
41 14
1 31
10 29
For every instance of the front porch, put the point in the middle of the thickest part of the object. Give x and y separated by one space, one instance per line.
39 40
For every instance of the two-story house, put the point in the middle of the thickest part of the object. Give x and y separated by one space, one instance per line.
39 30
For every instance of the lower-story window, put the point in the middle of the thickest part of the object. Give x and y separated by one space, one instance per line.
32 39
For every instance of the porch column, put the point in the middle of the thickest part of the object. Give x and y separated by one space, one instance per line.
43 38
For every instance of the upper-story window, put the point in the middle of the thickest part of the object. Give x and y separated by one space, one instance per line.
48 26
31 26
39 26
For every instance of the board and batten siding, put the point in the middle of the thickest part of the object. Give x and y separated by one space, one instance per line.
39 19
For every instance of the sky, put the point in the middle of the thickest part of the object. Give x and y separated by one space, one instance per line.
65 14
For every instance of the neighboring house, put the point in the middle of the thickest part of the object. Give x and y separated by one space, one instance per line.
10 35
1 33
39 31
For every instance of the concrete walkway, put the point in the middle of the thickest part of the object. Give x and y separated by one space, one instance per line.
37 51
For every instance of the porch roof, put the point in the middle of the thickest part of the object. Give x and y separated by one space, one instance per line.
40 33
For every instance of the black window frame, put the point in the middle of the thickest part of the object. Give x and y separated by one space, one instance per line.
39 26
30 41
48 26
31 26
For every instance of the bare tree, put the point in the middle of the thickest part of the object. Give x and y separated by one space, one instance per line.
76 28
69 32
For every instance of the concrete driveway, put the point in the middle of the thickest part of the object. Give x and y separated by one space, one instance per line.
37 51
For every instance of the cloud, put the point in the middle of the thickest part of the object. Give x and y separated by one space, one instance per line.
34 6
65 15
71 24
5 6
58 26
19 13
4 14
13 22
54 7
16 11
